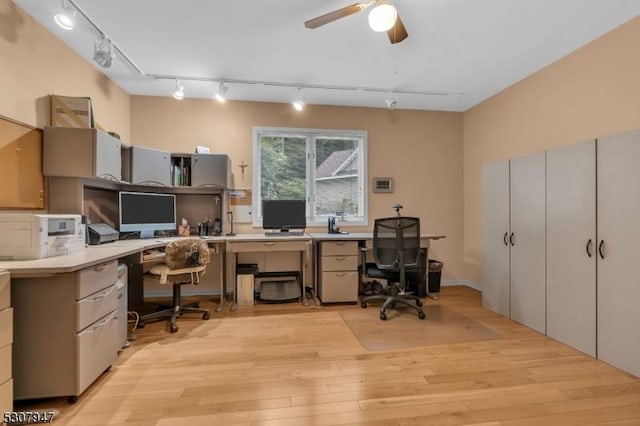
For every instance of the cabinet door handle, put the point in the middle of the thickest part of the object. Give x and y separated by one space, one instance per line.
600 247
505 238
511 239
589 245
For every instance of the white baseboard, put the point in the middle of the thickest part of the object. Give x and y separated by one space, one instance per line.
452 282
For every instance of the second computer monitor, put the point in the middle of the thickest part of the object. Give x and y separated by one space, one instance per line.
284 215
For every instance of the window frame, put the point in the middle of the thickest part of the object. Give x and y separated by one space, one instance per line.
310 136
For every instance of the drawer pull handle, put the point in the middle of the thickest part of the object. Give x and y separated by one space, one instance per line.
341 258
100 268
104 322
102 295
341 274
269 244
340 243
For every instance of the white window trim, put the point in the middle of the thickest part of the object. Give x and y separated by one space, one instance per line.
309 133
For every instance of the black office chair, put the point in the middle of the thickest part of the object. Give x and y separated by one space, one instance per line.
184 263
396 250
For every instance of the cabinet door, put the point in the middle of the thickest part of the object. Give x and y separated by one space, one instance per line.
495 234
21 171
150 166
571 246
209 169
618 160
108 159
527 301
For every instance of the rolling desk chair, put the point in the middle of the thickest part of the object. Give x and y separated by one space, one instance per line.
396 248
185 262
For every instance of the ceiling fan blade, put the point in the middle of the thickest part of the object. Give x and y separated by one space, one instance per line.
398 32
335 15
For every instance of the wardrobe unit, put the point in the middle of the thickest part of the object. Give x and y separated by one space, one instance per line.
514 239
589 237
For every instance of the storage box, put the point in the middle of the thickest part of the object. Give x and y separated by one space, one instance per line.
69 111
245 289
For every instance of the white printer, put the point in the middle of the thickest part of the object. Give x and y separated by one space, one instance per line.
34 236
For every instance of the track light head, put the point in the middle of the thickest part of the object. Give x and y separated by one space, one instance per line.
220 94
103 53
66 17
390 102
179 93
298 102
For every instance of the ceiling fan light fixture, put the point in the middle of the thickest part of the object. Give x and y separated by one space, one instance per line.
103 52
220 94
179 93
66 17
382 17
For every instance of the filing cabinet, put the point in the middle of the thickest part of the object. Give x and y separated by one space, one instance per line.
6 338
338 271
68 321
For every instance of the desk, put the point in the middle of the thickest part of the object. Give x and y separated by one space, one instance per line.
361 238
248 243
136 261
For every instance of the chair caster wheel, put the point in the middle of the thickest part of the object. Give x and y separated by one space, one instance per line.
173 328
205 316
196 305
421 315
140 324
418 302
363 305
72 399
383 316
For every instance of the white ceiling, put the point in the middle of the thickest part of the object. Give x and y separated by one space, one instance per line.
466 50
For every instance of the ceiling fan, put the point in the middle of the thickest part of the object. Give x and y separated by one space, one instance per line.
383 17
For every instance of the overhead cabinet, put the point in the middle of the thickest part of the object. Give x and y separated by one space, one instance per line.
514 239
78 152
199 170
146 166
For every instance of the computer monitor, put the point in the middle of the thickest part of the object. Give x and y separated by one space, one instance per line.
284 214
147 212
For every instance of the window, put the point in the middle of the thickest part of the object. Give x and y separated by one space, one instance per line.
326 168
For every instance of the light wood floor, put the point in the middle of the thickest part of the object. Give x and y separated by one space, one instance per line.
287 365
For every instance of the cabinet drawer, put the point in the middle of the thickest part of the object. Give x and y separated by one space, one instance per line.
6 396
96 306
6 326
267 246
338 287
97 349
5 363
5 290
95 278
339 248
339 263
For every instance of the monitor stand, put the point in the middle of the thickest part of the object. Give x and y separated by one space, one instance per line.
147 234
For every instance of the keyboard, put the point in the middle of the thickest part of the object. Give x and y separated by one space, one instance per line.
284 234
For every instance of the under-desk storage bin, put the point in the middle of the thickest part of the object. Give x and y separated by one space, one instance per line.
76 152
339 286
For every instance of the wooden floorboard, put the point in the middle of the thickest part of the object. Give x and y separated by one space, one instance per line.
286 364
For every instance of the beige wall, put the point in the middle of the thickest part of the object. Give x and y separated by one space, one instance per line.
34 64
421 150
594 91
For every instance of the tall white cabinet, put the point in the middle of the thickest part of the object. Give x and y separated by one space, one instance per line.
618 309
495 239
571 245
514 239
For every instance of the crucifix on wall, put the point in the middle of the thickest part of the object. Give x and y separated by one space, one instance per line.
243 166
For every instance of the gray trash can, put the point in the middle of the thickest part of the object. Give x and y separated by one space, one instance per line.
435 276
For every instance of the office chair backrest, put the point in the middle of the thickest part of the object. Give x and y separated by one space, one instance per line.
396 242
186 253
